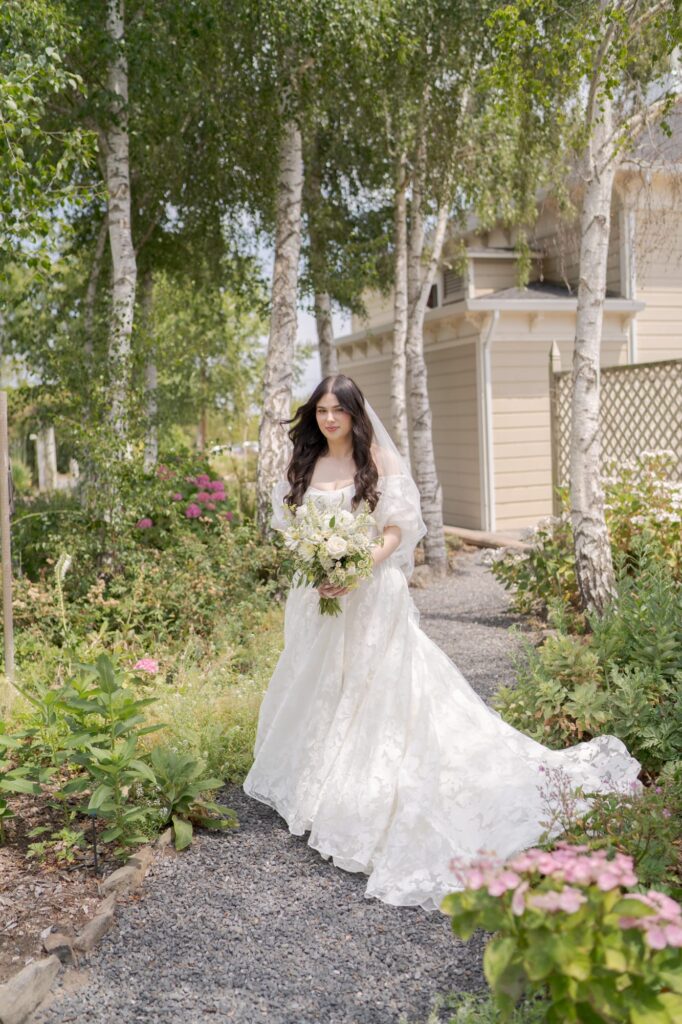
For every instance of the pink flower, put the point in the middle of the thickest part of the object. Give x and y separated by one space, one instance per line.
673 934
144 524
203 497
203 480
229 516
211 506
518 903
215 485
192 511
164 473
475 879
219 496
176 497
570 900
607 880
655 937
149 665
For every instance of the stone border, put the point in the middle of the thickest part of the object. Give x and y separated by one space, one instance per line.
26 990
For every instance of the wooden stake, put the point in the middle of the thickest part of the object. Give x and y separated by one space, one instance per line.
5 546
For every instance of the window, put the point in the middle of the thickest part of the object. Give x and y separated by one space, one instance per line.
432 300
453 286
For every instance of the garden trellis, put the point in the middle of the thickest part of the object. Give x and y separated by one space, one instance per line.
640 411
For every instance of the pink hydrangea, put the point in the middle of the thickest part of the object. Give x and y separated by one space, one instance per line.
569 900
144 523
203 497
176 496
149 665
192 511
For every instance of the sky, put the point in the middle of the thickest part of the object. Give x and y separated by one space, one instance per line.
307 335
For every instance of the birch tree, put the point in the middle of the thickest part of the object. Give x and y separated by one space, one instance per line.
115 146
631 37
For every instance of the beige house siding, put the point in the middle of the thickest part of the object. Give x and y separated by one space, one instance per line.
491 275
379 310
452 386
659 284
560 241
521 418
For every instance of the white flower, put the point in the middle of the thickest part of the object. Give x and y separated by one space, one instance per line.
344 518
337 546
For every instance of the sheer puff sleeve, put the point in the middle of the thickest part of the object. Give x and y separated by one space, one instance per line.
279 519
399 506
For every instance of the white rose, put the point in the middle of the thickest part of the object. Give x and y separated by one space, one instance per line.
344 518
337 546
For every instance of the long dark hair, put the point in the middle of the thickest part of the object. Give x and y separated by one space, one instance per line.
310 443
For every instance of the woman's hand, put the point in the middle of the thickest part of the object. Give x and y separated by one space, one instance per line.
328 590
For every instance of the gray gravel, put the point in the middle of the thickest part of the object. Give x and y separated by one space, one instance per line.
253 926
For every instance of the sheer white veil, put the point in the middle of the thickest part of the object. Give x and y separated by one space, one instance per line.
399 504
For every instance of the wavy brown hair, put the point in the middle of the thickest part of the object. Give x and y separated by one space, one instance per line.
310 443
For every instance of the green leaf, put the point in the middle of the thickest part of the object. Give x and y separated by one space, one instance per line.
19 786
498 955
143 769
100 796
183 832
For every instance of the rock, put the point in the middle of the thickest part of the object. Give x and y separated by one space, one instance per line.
96 928
128 878
59 942
165 839
26 990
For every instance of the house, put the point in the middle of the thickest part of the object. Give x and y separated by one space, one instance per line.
487 341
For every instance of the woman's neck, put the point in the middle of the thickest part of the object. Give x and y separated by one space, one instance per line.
341 449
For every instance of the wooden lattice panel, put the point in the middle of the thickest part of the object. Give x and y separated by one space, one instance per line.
641 410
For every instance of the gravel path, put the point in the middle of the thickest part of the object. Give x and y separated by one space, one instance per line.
254 926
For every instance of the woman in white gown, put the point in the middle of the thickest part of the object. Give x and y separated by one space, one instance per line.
369 736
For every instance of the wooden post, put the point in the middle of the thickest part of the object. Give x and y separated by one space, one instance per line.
554 368
5 546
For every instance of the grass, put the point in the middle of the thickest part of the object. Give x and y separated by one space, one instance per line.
211 704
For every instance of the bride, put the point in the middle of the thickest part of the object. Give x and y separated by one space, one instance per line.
369 736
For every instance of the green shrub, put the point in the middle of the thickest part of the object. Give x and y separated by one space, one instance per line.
569 925
643 515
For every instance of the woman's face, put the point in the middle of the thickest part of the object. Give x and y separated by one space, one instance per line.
333 421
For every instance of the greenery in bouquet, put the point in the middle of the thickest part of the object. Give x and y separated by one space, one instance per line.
330 545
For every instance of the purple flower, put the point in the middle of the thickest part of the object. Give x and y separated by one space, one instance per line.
176 497
203 497
192 511
203 480
215 485
229 516
144 524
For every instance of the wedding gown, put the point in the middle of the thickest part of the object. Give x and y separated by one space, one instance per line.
370 738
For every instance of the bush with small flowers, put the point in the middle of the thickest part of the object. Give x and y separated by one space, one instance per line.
570 924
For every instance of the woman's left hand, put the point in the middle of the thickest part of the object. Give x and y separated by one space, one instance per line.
327 590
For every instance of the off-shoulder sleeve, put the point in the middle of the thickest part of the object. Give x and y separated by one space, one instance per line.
399 506
279 519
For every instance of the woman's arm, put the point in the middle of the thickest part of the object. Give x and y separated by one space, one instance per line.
379 554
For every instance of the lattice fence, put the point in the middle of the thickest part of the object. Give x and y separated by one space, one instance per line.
641 410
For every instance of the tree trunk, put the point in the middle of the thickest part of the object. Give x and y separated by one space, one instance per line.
115 145
46 459
594 566
424 459
329 362
399 360
274 446
151 405
318 266
91 290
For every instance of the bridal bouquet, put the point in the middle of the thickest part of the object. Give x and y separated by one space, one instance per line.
330 546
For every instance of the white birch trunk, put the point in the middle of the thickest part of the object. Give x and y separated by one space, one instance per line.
329 362
46 459
115 145
274 445
151 406
594 566
399 360
423 455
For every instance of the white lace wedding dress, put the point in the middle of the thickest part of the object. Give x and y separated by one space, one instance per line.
370 738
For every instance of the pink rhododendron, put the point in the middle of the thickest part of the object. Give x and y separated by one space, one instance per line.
144 523
149 665
192 511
